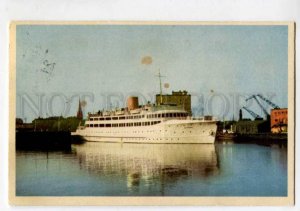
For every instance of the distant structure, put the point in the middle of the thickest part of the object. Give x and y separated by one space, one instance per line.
79 112
279 120
180 98
276 121
251 127
248 126
241 115
19 121
22 126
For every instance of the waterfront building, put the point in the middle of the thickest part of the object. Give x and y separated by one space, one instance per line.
247 127
251 127
22 126
179 98
279 120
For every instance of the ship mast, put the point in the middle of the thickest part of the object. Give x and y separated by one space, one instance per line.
160 86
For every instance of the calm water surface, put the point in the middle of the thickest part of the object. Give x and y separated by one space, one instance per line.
113 169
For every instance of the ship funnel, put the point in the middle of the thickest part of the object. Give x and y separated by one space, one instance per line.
132 103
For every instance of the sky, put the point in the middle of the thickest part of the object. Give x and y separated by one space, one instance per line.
219 65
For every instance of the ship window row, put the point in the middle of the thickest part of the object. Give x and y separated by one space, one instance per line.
117 118
131 124
166 115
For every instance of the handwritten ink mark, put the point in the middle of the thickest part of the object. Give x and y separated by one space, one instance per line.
48 68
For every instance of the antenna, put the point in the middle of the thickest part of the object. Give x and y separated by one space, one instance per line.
160 76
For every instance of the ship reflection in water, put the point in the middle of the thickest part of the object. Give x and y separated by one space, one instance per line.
148 163
116 169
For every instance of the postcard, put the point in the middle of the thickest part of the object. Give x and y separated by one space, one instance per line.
151 113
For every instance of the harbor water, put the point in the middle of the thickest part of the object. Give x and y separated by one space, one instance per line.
115 169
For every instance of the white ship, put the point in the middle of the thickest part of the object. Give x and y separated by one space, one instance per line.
148 124
161 123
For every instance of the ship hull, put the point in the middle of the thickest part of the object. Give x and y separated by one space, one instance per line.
179 132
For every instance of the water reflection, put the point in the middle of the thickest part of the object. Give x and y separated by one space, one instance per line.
107 169
147 163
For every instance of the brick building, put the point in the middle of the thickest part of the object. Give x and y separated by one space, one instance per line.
279 120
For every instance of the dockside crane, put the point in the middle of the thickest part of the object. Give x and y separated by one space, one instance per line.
252 113
268 101
264 110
